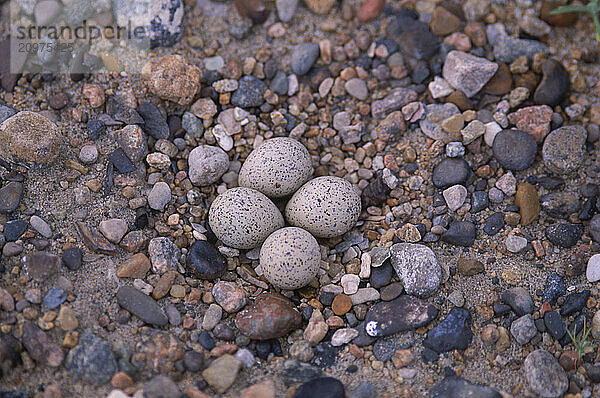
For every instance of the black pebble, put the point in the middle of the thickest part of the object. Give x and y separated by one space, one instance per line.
14 229
121 162
263 349
206 340
72 258
96 128
494 224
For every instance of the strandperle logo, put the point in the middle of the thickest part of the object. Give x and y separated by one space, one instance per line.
84 36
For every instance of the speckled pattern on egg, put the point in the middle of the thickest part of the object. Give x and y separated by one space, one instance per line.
325 207
277 168
290 258
243 218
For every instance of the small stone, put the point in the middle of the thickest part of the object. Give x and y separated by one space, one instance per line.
592 272
54 298
366 294
164 255
472 131
91 360
350 283
370 10
271 316
264 389
286 9
132 140
159 196
534 120
141 305
519 299
467 72
439 87
554 324
172 78
303 57
121 162
342 303
204 261
14 229
515 243
250 92
204 108
316 329
222 372
564 149
469 266
40 347
212 317
514 149
554 85
113 229
325 387
357 88
161 387
451 172
229 296
207 164
88 154
343 336
154 123
417 267
453 333
455 196
523 329
399 315
137 266
460 233
320 6
508 49
453 386
564 234
436 118
443 22
554 288
10 196
72 258
544 374
528 201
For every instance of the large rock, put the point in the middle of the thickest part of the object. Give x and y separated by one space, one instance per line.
30 137
544 374
467 73
399 315
417 267
92 360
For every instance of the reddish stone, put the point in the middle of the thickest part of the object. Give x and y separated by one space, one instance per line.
370 9
40 347
534 120
271 316
342 303
500 83
253 9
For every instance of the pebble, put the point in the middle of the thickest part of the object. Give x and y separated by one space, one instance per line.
30 137
592 272
508 49
544 375
342 303
417 267
435 117
469 266
515 243
121 162
222 373
10 196
455 196
279 83
466 72
243 218
357 88
113 229
554 85
325 206
72 258
286 9
514 149
41 265
212 317
133 142
277 168
439 87
54 298
270 316
370 10
399 315
494 223
396 99
88 154
451 172
14 229
554 324
574 302
564 234
204 261
317 328
413 37
141 305
207 164
453 386
164 255
534 120
379 255
479 201
523 329
229 296
303 58
453 333
323 387
161 387
91 360
40 347
519 299
172 78
460 233
154 123
343 336
250 93
364 295
564 149
528 201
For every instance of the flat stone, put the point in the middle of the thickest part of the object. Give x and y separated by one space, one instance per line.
460 233
514 149
435 115
523 329
455 387
40 347
395 100
564 234
417 267
466 72
515 243
41 265
144 307
155 124
508 49
159 196
528 201
544 374
592 272
401 314
113 229
94 240
469 266
136 266
204 261
323 387
455 196
10 196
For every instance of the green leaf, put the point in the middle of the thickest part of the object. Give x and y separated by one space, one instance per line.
563 9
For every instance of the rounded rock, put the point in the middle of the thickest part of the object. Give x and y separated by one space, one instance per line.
290 258
207 164
544 374
29 137
514 149
277 168
325 207
243 218
564 149
204 261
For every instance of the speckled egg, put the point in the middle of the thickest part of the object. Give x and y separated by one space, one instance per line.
276 168
290 258
243 218
325 207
